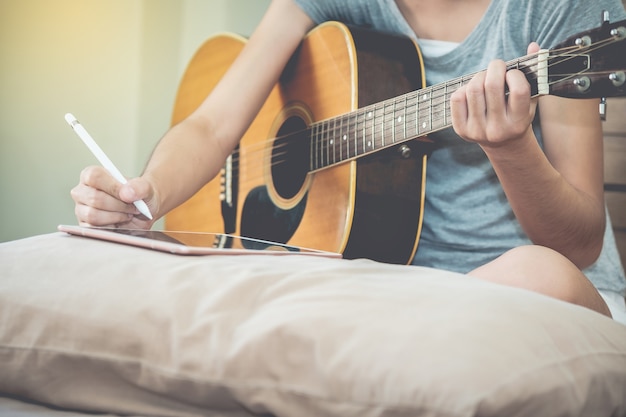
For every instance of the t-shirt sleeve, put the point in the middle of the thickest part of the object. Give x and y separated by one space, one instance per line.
379 14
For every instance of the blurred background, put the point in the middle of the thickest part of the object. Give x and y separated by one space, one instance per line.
114 64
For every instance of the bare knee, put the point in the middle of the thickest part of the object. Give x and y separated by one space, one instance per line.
545 271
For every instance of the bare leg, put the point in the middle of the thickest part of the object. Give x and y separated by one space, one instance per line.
545 271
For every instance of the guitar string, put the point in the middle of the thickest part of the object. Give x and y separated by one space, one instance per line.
262 145
439 116
354 125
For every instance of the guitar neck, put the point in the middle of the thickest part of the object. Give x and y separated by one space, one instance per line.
586 65
393 121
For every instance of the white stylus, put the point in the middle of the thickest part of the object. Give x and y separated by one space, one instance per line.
104 160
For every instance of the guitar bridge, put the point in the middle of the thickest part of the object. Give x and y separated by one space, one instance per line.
229 185
226 182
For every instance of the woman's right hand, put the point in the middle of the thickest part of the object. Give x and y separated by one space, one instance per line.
100 200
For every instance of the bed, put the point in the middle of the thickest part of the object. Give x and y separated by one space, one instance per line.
91 327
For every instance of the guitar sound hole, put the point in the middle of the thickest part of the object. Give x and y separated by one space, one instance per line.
290 157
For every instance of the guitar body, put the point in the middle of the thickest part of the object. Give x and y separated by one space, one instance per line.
368 207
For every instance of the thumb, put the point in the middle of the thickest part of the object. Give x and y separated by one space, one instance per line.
135 189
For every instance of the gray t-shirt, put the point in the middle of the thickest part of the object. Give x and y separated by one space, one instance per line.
467 219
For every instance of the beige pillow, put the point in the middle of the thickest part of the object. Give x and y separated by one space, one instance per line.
99 327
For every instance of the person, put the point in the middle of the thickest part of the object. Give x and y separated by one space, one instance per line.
515 188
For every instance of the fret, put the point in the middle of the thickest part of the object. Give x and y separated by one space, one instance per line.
382 125
331 142
356 134
325 150
357 152
404 120
397 123
335 143
365 114
368 142
437 101
363 133
319 150
430 110
339 136
408 116
320 141
330 138
312 165
316 129
417 114
412 122
393 125
372 118
328 142
320 146
425 115
345 123
388 120
446 106
373 124
344 135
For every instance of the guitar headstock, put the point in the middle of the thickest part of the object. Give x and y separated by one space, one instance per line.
591 64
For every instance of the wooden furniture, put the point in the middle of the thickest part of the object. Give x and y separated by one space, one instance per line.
615 169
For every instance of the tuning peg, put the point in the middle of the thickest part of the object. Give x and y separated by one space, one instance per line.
617 78
583 41
619 32
582 83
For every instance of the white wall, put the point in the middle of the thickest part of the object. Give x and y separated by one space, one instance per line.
115 64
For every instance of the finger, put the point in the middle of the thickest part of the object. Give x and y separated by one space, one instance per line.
89 196
495 98
136 189
533 48
90 216
475 97
519 101
521 107
140 189
458 111
96 199
99 178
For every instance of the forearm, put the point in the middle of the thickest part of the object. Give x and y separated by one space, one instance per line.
186 158
552 212
194 151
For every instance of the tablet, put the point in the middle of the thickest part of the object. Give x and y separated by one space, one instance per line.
192 243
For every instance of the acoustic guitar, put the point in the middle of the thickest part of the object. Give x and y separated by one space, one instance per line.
336 158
